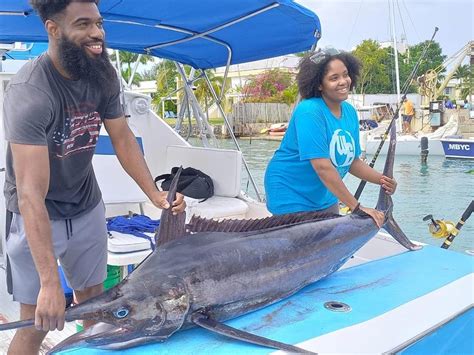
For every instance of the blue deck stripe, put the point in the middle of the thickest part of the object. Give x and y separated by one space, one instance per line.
370 289
104 145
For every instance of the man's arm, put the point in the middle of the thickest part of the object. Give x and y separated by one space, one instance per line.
132 160
31 165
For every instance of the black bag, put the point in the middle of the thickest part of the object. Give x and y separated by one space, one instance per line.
192 183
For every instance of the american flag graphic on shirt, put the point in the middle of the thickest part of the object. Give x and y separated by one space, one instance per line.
77 134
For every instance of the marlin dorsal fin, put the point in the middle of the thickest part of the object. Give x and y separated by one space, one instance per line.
200 224
171 226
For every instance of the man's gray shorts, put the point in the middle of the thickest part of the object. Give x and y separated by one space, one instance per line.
80 244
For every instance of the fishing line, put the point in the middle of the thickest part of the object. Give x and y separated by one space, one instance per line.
401 20
354 24
411 20
362 184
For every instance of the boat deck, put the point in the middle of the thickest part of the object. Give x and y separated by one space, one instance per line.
394 301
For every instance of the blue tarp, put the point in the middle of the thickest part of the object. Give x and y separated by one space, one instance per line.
135 25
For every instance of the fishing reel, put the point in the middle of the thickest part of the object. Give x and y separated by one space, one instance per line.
343 210
439 228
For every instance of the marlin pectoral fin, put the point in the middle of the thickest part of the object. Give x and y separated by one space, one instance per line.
19 324
392 227
220 328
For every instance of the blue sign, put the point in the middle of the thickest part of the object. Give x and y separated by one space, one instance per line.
458 148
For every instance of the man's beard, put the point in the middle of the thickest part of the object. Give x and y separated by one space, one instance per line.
79 65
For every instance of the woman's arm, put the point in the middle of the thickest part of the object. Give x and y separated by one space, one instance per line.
332 180
365 172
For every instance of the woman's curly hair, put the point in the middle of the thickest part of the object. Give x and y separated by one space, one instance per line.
47 9
310 75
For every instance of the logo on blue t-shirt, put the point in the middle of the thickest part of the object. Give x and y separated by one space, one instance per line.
342 148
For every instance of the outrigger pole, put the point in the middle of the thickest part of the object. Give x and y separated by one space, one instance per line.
362 184
467 213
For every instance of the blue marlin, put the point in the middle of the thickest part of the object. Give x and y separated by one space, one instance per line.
195 275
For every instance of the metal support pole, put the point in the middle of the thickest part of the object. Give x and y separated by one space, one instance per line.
121 80
134 70
181 112
231 132
205 129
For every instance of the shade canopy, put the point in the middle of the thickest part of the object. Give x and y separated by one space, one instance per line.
200 33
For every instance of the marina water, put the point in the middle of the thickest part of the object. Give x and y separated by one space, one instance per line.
443 188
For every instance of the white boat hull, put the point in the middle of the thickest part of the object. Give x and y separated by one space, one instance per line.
406 146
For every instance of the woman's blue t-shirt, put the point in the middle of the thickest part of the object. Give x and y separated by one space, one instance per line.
291 183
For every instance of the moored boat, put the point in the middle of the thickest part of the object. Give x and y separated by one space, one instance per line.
408 144
457 147
278 129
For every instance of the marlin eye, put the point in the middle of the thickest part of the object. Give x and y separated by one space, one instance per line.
121 313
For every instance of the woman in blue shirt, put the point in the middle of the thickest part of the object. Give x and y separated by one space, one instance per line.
321 143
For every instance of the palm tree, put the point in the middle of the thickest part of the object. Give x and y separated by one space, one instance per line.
136 78
127 59
166 76
203 93
464 75
150 74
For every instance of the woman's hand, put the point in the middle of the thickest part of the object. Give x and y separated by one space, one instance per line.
376 215
388 184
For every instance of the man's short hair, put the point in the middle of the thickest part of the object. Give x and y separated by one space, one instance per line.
48 9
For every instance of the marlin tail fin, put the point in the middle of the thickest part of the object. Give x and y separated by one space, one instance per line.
171 226
385 202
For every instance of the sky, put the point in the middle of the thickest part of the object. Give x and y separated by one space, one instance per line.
346 23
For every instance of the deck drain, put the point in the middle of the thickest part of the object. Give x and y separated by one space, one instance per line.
336 306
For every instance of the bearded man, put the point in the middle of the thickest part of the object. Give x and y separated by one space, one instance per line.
53 110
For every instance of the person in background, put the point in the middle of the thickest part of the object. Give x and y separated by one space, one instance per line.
321 144
466 105
53 110
408 111
448 103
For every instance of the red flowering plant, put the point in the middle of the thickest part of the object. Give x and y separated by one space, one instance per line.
273 85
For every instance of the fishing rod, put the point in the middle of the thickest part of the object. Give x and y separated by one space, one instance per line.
455 231
406 86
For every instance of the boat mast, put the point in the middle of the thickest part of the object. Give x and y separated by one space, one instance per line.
395 54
